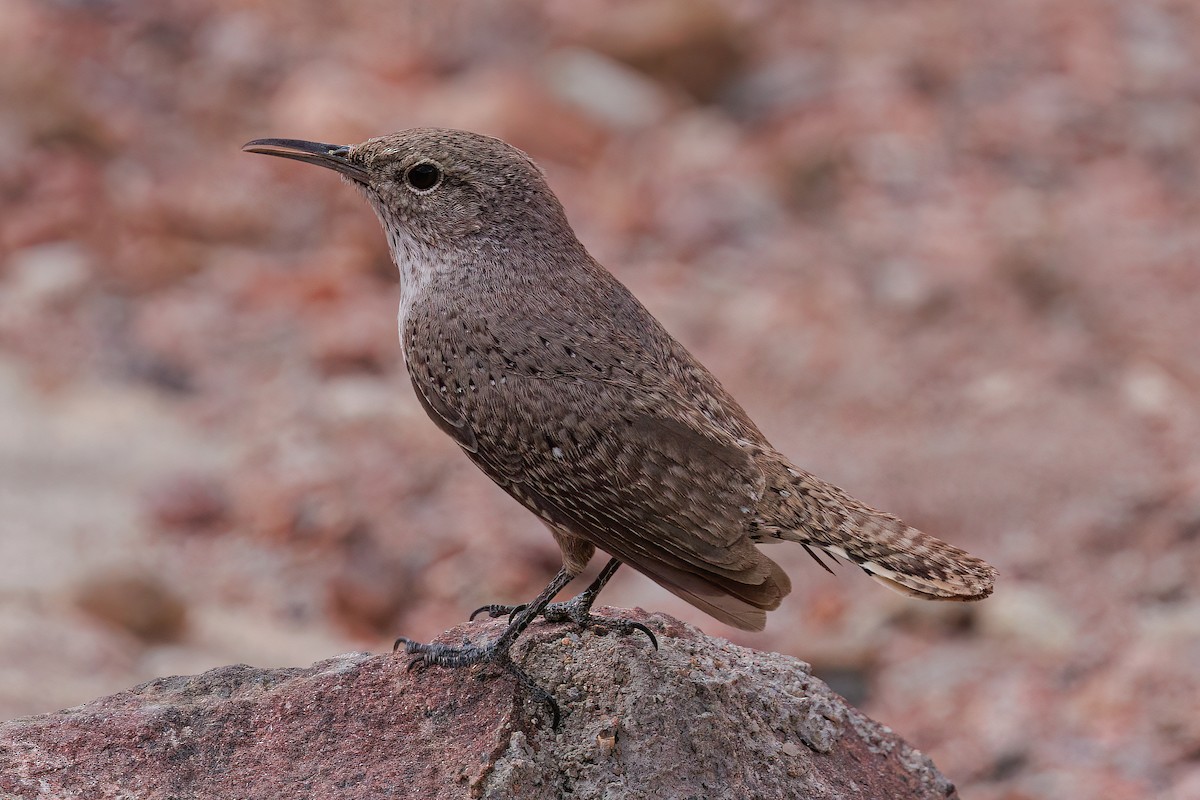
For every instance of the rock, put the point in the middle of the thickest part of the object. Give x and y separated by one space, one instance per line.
698 718
607 90
135 602
46 273
371 588
695 45
187 501
1032 616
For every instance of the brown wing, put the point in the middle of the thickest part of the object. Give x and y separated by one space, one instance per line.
625 471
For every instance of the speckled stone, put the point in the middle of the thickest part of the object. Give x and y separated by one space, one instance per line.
699 718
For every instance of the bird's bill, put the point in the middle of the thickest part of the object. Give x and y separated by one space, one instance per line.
332 156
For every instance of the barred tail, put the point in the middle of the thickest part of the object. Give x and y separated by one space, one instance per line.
892 552
916 564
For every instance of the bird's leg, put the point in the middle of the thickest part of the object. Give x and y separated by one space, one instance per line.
497 651
578 609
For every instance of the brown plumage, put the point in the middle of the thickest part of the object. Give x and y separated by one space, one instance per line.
565 391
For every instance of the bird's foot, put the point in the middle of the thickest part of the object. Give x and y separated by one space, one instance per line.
577 610
467 654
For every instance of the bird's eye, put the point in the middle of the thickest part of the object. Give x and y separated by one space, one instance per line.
423 177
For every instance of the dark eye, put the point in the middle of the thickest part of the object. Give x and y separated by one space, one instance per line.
423 176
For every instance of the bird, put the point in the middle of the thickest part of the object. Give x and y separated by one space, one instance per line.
567 392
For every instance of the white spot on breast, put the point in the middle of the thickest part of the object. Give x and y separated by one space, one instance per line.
557 452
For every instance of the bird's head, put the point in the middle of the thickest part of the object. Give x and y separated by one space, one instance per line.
436 186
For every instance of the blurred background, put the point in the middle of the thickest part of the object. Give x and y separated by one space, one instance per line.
946 254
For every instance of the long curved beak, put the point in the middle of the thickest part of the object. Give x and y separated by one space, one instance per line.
332 156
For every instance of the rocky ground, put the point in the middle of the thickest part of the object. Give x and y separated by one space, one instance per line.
365 726
945 254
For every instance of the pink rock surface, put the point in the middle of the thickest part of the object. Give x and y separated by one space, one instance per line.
699 718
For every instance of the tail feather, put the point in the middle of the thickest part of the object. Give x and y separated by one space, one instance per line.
817 558
952 575
892 552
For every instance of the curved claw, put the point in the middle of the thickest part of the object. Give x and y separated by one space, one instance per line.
400 640
649 633
557 716
493 610
537 693
623 625
417 663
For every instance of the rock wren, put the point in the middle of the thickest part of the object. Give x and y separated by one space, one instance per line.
565 391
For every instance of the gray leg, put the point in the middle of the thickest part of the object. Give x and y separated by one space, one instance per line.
497 651
578 609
